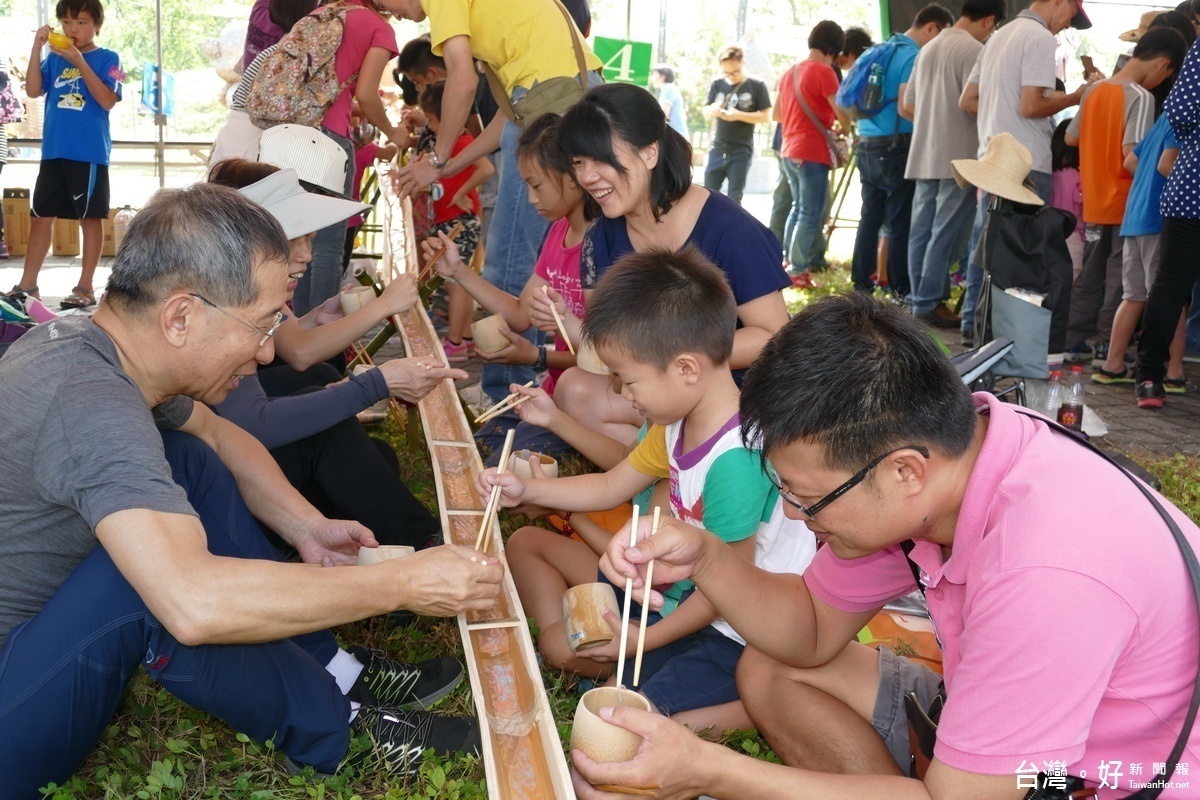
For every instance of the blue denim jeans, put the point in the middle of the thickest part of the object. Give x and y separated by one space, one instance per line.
941 223
809 183
728 164
1043 186
324 275
886 197
62 673
514 238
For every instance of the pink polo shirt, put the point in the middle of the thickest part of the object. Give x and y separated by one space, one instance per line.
1065 613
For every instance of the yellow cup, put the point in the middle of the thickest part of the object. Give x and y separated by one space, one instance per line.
59 40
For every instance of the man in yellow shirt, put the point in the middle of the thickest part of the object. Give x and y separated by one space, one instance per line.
525 42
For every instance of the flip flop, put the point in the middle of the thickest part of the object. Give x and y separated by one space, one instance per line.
79 298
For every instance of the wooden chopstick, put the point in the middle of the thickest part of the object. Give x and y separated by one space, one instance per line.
505 404
641 642
493 505
558 320
499 411
628 600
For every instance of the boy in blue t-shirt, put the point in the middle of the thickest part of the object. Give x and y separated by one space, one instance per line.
81 82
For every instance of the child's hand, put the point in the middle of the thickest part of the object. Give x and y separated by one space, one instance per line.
401 293
450 262
413 118
539 410
462 200
41 36
520 351
540 304
512 490
607 653
70 52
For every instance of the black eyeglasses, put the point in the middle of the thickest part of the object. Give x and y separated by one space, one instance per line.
858 477
276 321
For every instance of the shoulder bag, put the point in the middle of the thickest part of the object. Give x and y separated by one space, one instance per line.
839 154
552 96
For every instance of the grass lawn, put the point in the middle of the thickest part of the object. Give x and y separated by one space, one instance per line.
157 748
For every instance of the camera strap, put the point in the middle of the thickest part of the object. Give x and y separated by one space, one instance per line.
923 723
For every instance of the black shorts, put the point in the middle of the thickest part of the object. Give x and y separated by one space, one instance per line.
71 190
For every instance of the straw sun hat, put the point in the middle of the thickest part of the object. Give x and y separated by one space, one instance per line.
1002 170
1143 25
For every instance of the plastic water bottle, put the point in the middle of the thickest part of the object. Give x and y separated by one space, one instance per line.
1070 412
121 224
1054 395
873 94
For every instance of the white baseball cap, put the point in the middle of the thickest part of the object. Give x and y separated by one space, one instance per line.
315 157
298 211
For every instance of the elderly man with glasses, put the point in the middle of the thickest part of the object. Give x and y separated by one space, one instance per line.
1065 614
123 546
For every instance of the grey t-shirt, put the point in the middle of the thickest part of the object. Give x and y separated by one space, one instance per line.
941 130
80 443
1019 54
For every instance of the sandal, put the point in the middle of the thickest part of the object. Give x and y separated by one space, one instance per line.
1175 385
1101 375
17 290
78 298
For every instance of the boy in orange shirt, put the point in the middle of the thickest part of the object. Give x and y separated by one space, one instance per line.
1114 115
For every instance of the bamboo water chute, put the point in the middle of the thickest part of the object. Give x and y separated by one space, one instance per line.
522 754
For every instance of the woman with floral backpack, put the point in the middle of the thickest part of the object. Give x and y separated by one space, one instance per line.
366 45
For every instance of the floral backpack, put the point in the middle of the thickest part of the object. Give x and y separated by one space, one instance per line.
297 83
11 107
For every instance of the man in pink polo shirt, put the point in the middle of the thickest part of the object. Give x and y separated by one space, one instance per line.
1064 609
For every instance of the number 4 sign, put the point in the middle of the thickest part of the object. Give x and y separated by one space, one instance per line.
624 61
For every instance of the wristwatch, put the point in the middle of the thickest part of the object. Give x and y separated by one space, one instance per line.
438 164
540 364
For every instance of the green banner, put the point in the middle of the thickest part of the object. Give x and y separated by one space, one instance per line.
624 61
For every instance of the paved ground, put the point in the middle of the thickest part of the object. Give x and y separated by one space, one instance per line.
1174 429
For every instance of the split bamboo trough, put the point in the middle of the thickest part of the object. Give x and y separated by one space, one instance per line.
522 754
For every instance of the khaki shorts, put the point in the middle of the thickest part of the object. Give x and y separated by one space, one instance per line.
1139 263
897 677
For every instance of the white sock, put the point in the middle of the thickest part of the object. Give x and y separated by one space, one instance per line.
345 669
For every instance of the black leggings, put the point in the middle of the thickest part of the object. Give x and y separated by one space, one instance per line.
345 474
1172 289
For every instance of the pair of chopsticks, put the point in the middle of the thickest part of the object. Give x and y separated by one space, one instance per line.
492 509
641 642
507 404
558 320
428 271
364 357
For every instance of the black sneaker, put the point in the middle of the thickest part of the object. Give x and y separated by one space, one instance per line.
1150 394
387 682
402 736
968 338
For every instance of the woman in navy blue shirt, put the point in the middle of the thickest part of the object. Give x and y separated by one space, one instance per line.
1177 267
639 171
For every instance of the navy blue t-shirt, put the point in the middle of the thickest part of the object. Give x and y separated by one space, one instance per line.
745 249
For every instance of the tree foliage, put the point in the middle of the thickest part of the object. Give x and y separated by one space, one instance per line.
129 29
